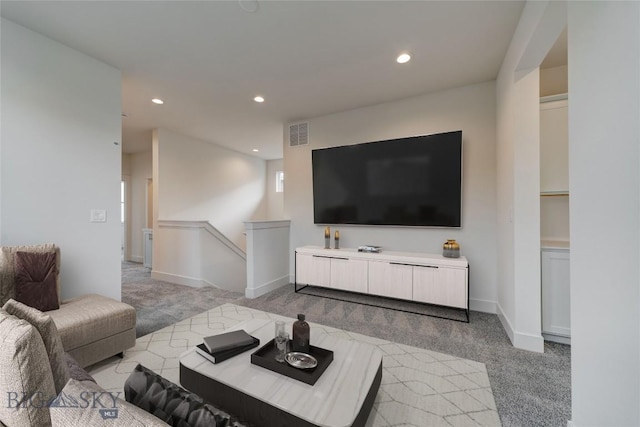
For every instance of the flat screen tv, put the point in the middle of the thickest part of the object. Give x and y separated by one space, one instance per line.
415 181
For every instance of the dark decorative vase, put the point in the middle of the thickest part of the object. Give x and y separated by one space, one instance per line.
300 341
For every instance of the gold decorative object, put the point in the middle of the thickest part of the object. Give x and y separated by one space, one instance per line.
337 239
327 237
451 249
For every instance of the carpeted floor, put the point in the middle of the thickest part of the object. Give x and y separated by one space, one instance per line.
530 389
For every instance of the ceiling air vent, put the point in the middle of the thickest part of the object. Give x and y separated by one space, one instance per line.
299 134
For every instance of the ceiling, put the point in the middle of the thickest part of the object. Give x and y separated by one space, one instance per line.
208 59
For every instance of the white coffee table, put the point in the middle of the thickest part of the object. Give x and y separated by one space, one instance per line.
342 396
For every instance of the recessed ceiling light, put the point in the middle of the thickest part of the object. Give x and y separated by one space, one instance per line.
403 58
258 99
255 150
157 101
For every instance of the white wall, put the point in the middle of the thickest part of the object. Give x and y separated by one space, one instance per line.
141 172
554 80
275 201
470 108
518 185
198 181
60 118
604 155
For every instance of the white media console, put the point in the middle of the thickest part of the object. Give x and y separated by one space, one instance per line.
424 278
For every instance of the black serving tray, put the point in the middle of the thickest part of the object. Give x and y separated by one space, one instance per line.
266 358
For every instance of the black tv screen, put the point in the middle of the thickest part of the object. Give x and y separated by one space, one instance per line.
413 181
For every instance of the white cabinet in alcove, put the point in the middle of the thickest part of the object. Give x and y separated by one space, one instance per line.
556 296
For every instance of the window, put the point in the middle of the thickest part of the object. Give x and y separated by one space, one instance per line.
279 182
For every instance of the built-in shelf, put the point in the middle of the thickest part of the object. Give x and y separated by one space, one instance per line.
554 193
554 244
552 98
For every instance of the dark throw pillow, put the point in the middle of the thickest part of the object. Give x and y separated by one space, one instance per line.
171 403
35 278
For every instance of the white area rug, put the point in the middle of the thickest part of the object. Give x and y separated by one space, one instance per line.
419 387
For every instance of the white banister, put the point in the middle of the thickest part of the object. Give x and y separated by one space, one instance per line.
267 256
205 225
195 253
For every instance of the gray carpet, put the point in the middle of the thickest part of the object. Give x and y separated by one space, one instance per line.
530 389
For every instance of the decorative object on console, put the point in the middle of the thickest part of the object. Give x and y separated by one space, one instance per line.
369 248
327 237
451 249
337 240
301 335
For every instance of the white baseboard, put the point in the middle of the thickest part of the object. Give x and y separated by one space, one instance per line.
557 338
135 258
482 305
529 342
505 322
571 424
520 340
177 279
266 287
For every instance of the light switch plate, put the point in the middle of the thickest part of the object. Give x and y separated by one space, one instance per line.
98 215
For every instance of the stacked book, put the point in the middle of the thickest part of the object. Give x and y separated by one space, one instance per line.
369 248
221 347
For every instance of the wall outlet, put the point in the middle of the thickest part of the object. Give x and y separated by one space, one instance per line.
98 215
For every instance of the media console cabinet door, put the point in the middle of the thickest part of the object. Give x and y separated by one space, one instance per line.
425 285
391 280
349 274
441 286
313 270
454 283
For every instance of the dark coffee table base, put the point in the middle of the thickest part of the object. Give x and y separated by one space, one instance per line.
255 411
